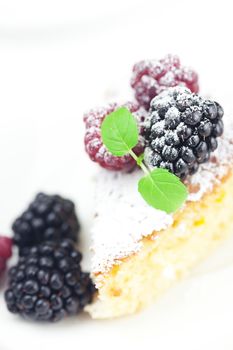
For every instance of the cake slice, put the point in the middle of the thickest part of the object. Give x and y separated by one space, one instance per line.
142 245
138 251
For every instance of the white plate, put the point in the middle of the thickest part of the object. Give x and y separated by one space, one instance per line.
48 77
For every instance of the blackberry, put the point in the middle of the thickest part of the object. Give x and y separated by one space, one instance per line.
47 284
181 131
93 142
47 218
151 77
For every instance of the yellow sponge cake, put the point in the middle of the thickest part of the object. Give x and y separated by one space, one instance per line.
138 252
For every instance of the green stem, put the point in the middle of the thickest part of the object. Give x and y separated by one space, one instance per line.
133 155
144 168
141 164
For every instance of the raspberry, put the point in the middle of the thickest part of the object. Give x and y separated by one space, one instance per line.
47 284
5 247
151 77
5 251
47 218
93 143
181 131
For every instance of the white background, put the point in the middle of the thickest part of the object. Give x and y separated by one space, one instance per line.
59 58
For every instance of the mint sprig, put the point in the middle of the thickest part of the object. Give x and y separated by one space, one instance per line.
159 188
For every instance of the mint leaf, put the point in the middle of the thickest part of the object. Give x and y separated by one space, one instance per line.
160 189
163 190
119 132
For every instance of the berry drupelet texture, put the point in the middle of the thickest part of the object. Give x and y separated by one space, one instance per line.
93 142
47 218
181 131
151 77
47 284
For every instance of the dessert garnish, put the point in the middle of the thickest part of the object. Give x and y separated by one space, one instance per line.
159 188
5 252
151 77
181 131
94 145
47 283
48 217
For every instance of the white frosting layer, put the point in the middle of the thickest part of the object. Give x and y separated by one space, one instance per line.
123 218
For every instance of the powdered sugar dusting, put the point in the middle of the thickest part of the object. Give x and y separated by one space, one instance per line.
151 77
123 218
181 131
94 145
